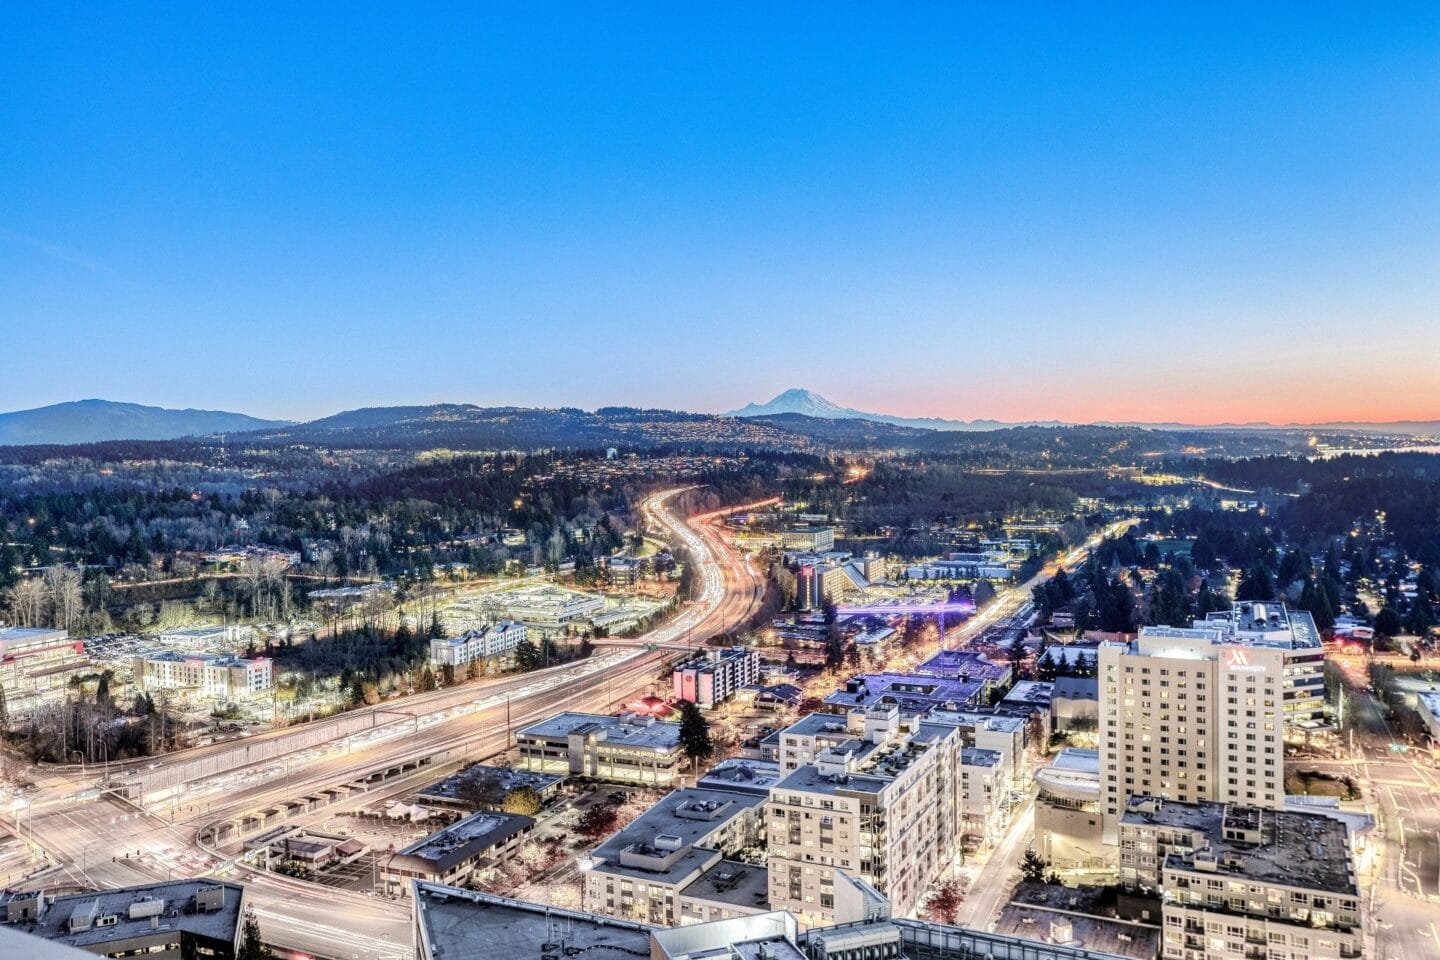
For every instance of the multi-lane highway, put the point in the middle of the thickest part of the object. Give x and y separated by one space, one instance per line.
110 841
1402 879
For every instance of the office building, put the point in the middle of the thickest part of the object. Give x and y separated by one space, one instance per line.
456 853
547 609
494 642
36 666
808 539
1187 715
204 675
181 918
716 675
1239 881
628 749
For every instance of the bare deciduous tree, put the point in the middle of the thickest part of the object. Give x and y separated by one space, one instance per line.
28 602
66 600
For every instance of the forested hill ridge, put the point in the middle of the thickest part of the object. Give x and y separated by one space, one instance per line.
91 421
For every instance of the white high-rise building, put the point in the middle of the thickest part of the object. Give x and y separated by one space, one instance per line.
1190 714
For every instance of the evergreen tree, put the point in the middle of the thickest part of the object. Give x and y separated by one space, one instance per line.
1422 615
1293 566
527 655
251 946
1256 584
437 632
1387 623
1207 601
1045 668
1033 867
695 732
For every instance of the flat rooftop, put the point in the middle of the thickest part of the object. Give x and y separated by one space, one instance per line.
1290 848
746 776
466 838
505 779
912 693
1119 938
685 818
174 904
457 924
975 757
963 663
1076 688
731 881
1076 758
979 719
652 734
808 779
1036 692
816 723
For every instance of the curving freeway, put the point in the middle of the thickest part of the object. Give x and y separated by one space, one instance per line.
106 840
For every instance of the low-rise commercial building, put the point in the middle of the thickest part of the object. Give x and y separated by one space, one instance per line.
482 787
1075 703
809 539
453 854
182 918
716 675
1067 812
967 665
628 749
494 642
36 665
915 695
205 675
547 609
451 922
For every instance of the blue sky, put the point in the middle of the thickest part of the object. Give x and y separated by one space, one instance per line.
1202 212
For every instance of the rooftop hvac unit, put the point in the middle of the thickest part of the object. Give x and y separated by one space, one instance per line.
146 908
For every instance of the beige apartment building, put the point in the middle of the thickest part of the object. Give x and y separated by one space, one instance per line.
884 806
1239 882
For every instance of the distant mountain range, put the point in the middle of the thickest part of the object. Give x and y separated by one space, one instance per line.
93 421
794 420
808 403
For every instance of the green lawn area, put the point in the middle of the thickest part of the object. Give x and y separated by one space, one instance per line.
1312 783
